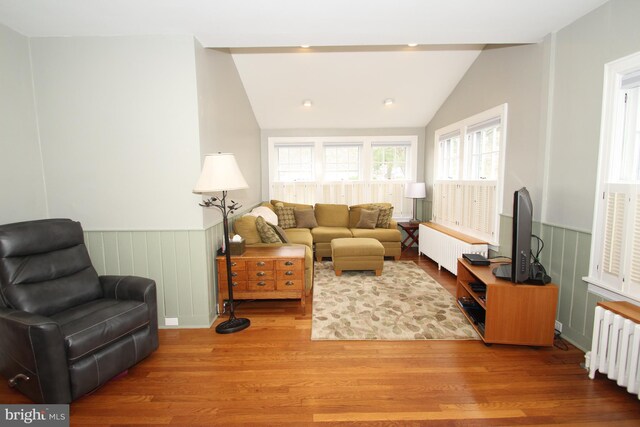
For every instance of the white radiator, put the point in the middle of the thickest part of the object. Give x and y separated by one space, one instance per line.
615 349
445 249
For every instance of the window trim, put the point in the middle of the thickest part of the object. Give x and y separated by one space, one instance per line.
367 143
614 73
463 128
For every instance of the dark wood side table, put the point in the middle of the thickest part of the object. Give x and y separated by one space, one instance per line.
413 236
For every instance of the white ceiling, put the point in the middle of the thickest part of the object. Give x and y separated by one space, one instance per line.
347 85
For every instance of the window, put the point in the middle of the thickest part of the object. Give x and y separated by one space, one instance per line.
484 146
342 162
449 149
295 163
346 170
615 253
390 161
467 189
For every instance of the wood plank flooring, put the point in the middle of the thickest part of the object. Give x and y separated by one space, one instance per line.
272 374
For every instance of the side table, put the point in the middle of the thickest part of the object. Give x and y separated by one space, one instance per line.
413 236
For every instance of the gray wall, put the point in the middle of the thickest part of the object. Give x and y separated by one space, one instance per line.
22 189
123 123
227 122
554 91
118 123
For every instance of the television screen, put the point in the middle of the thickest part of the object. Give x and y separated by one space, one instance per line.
518 270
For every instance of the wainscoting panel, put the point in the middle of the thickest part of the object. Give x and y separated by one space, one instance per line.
566 258
179 261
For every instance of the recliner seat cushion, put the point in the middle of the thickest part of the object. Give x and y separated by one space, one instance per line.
94 325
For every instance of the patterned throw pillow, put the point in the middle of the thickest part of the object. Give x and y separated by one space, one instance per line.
368 218
384 216
286 216
267 234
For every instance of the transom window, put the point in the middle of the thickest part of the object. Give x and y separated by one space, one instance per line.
390 161
295 163
342 162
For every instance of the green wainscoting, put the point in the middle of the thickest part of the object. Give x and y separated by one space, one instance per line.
566 259
182 262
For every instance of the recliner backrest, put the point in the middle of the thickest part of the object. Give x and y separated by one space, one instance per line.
45 267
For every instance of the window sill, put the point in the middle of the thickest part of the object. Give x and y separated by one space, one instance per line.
599 288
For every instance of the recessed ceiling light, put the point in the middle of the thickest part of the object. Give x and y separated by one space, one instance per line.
388 101
412 44
305 46
307 103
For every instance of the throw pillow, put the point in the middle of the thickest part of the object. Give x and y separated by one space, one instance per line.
305 218
368 218
384 217
280 232
286 217
267 234
266 213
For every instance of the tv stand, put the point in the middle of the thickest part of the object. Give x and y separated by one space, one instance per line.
503 312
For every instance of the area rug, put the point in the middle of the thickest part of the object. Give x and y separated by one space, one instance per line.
404 303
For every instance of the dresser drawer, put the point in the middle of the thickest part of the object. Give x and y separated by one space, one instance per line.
288 274
288 264
261 275
236 265
260 264
261 285
289 284
235 275
237 285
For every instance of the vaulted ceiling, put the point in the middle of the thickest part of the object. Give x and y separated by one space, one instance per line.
358 56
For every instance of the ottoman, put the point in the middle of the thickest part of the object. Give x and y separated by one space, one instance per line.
357 253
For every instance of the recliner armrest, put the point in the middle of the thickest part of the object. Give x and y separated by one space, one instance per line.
137 289
33 345
128 287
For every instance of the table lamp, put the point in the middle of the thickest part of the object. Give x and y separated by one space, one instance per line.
415 190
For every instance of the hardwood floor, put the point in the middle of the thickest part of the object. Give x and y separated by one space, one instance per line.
273 374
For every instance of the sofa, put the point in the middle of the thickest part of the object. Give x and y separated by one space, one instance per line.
332 221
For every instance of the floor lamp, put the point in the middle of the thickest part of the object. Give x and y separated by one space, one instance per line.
221 173
415 190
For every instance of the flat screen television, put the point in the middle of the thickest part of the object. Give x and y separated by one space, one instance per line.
519 269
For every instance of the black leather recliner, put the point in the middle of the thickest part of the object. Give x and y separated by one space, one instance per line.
65 331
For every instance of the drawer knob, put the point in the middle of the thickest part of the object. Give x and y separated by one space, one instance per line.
235 284
289 283
288 273
288 263
234 274
261 273
260 263
233 264
261 284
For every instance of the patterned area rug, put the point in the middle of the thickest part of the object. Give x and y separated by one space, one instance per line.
404 303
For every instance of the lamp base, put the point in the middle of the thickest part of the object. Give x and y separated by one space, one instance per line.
414 221
232 325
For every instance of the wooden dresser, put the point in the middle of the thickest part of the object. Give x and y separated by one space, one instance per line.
264 273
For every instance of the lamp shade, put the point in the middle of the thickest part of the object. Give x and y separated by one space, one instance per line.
416 190
220 172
